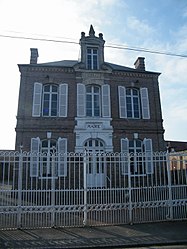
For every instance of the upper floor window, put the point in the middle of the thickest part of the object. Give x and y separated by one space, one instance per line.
133 103
92 58
93 101
50 100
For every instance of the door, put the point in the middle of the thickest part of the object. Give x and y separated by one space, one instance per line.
96 164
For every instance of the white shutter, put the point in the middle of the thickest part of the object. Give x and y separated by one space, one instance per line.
62 157
124 156
145 103
34 161
122 102
37 97
106 111
63 100
148 155
80 100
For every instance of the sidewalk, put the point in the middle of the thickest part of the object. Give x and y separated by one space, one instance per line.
138 235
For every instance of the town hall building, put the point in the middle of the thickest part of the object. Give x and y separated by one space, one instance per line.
88 104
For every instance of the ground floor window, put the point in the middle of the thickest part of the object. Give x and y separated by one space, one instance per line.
136 156
48 165
137 167
45 162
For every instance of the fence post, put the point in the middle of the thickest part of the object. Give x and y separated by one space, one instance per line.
85 187
53 189
170 216
20 171
130 189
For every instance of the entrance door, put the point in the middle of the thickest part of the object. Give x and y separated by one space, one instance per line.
96 164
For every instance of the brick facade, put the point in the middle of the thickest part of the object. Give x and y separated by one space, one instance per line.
74 72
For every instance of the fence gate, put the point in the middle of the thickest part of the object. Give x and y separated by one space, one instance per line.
61 190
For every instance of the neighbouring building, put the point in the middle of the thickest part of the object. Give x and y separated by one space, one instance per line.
73 105
178 157
176 146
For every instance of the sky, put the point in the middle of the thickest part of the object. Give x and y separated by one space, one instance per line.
154 25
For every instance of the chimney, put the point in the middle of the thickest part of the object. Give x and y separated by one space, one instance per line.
34 56
139 64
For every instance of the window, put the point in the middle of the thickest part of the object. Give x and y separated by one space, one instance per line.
50 100
47 167
133 103
92 58
140 155
93 101
45 162
136 158
94 145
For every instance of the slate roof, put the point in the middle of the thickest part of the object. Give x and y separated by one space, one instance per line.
64 63
72 63
119 67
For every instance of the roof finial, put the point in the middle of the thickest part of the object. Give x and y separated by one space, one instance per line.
91 32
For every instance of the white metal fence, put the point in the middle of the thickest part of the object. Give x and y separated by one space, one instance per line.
60 190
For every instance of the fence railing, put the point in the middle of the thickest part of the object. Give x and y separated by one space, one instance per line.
77 189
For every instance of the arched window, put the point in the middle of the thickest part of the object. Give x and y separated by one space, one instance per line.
93 101
50 100
133 103
94 145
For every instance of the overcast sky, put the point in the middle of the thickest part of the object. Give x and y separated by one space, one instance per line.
155 25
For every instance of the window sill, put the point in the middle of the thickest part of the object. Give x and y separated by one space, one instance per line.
134 175
48 177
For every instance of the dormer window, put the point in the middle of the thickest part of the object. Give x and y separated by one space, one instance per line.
92 58
92 50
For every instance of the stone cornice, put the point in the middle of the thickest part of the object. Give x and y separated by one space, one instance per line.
31 68
136 74
28 68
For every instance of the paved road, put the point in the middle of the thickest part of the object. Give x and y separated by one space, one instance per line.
158 247
152 235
